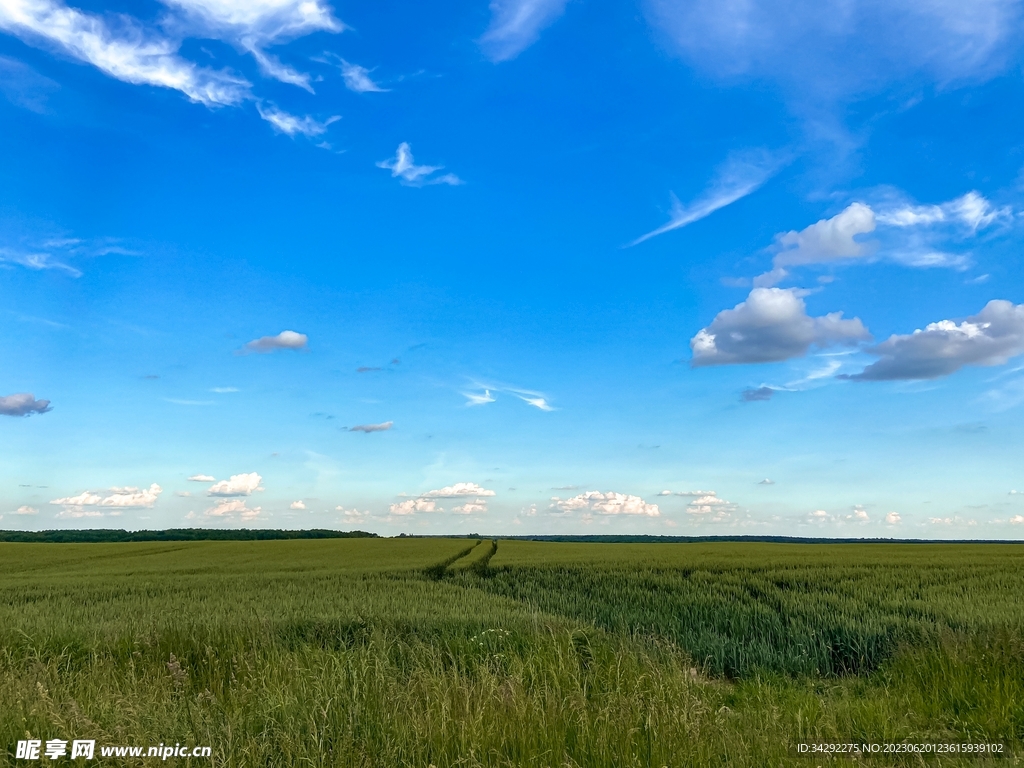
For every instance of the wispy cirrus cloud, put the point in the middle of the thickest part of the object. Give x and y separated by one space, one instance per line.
290 125
538 400
256 26
121 48
357 79
403 166
739 176
516 25
834 49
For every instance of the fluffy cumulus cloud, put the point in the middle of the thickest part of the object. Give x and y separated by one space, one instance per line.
909 234
298 505
829 50
825 241
26 510
605 503
457 490
128 497
412 506
237 485
283 340
893 518
22 404
203 478
709 507
991 337
384 426
475 500
516 25
471 507
230 509
403 166
771 325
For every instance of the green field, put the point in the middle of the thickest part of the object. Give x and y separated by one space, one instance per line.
450 652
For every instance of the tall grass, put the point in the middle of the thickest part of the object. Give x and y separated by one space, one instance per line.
329 654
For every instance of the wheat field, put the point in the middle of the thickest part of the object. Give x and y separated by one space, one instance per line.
455 652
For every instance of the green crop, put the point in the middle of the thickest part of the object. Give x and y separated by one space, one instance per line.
420 652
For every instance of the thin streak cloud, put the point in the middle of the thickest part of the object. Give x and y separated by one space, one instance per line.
740 176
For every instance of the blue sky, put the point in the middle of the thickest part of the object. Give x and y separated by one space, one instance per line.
531 266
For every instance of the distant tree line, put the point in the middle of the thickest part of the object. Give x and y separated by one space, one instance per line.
177 534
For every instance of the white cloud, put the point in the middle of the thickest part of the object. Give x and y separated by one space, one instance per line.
516 25
358 79
951 521
203 478
473 398
183 494
457 490
741 175
412 506
610 503
537 402
26 510
991 337
124 51
368 428
283 340
352 514
1017 520
224 390
665 493
292 124
531 397
471 507
403 166
77 512
297 505
128 497
36 260
893 518
912 235
860 514
766 481
22 404
237 485
971 210
710 507
133 498
828 240
230 508
771 325
255 25
831 50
